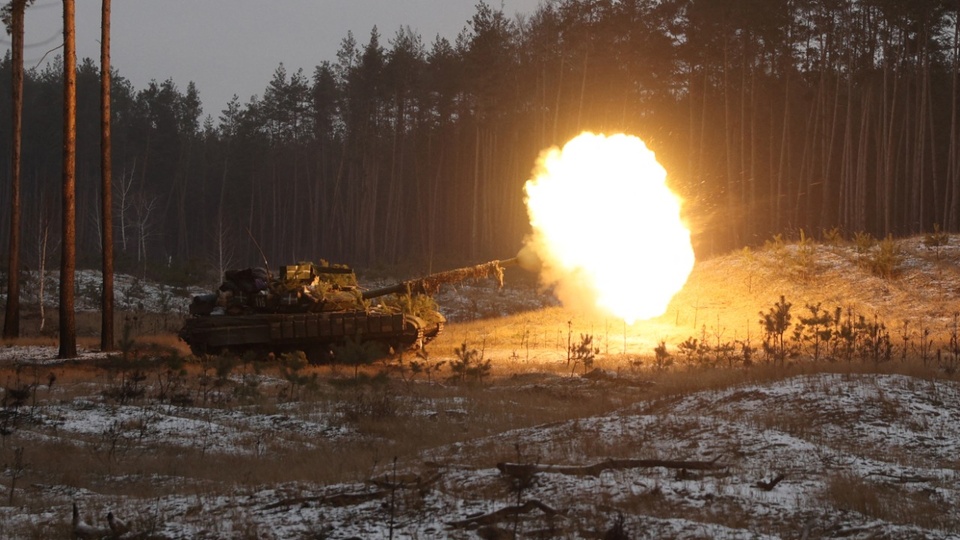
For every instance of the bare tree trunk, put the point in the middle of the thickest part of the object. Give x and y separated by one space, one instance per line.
11 322
126 185
887 150
106 183
783 169
919 216
754 142
474 215
143 208
223 258
827 218
846 187
742 137
68 330
952 200
733 236
43 235
860 195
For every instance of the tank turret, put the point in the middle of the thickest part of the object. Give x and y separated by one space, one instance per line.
315 307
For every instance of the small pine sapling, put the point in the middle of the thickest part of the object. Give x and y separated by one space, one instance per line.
814 330
885 260
936 240
775 324
15 471
583 353
356 353
875 343
662 359
425 365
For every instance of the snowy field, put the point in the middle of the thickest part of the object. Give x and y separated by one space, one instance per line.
811 456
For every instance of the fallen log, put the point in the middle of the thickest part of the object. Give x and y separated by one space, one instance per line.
502 514
385 484
337 499
524 470
903 479
408 481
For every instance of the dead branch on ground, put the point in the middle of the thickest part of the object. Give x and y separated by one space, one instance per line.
502 514
337 499
519 470
768 486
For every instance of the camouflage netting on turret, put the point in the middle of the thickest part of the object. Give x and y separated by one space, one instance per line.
322 287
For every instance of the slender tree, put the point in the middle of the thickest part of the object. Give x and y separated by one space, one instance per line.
68 254
13 18
106 183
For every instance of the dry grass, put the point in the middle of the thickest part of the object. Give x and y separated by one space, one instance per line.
406 417
885 499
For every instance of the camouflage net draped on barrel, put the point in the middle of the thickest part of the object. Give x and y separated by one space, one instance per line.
430 285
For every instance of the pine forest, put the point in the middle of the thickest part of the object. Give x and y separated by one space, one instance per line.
783 117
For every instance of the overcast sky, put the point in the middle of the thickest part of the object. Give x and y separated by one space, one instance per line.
232 47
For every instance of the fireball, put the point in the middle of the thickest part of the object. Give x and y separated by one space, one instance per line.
606 227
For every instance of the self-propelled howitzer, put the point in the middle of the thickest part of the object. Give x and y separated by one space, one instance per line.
315 308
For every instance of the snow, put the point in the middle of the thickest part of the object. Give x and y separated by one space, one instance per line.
895 433
131 293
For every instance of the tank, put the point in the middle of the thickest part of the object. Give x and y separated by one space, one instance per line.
316 307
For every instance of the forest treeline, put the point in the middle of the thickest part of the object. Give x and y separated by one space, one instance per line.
771 117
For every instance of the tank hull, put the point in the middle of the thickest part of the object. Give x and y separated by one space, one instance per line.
313 333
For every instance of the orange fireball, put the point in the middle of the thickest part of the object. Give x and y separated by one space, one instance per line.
606 227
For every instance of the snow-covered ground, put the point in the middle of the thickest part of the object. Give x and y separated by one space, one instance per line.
131 293
860 456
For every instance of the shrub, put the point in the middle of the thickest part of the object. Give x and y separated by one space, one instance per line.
425 365
583 352
814 330
832 236
775 324
804 258
662 359
936 240
885 260
357 352
469 364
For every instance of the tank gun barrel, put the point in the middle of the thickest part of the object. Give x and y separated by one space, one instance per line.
430 284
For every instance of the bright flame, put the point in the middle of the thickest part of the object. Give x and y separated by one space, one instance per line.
606 227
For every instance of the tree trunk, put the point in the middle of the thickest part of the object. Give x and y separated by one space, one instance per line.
952 200
106 190
68 331
43 235
11 322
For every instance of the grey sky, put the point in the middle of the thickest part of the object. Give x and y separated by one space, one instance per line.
232 47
